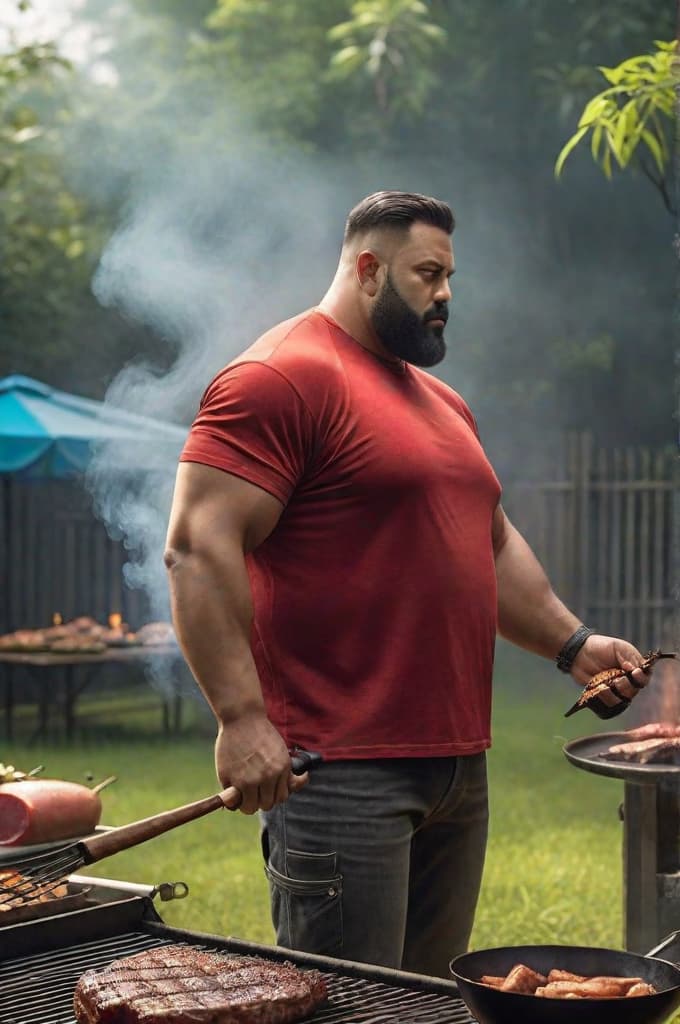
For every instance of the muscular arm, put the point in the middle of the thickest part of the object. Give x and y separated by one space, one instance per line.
216 519
531 615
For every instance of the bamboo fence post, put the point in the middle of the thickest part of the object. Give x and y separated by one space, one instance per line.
582 470
603 612
629 551
615 547
644 588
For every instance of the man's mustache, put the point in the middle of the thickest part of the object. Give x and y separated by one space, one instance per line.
437 313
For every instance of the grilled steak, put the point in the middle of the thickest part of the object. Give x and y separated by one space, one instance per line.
652 751
184 985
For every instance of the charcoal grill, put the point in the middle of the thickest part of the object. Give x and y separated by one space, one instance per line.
651 838
41 961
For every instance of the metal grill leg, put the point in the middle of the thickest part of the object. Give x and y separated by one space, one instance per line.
640 845
668 862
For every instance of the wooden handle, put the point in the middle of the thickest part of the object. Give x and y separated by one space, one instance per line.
117 839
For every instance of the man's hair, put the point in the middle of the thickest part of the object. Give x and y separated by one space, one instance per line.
397 210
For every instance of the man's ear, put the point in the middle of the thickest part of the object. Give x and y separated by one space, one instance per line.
367 267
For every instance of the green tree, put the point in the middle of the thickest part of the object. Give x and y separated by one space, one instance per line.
631 119
51 232
43 233
511 78
392 44
469 101
270 57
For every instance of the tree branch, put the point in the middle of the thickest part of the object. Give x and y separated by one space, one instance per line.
660 184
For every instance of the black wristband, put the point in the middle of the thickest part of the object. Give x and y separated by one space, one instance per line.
565 659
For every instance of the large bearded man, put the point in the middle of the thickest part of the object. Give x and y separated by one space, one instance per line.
340 564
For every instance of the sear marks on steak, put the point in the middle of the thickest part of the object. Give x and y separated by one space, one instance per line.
185 985
651 751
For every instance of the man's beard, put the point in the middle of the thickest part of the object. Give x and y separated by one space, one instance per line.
404 333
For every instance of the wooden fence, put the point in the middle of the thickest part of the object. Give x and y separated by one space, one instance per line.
606 531
605 528
56 557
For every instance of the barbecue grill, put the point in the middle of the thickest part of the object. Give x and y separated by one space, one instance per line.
42 959
651 837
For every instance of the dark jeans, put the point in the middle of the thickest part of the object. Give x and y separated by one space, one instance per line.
380 861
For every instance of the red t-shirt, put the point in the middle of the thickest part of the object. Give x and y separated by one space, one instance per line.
375 595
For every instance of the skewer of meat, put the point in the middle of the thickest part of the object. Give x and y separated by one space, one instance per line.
607 680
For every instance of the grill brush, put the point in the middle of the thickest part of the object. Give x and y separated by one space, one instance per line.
36 877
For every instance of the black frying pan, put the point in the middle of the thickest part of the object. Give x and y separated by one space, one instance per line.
491 1006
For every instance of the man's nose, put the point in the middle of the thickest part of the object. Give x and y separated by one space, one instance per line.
443 293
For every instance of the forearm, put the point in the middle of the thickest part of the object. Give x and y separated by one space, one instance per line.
529 612
212 613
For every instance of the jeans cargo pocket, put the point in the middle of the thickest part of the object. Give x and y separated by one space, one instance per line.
307 902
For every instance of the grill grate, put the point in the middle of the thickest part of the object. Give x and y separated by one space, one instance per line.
38 989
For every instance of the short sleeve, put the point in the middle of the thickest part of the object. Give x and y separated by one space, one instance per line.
252 423
469 417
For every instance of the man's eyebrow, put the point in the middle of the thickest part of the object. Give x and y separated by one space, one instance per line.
435 264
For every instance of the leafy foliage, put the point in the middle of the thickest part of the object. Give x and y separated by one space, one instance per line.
43 234
272 58
393 43
632 115
468 101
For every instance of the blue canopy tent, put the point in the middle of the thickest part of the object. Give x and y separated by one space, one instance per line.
45 433
54 554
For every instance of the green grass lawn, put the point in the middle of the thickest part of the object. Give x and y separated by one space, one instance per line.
553 870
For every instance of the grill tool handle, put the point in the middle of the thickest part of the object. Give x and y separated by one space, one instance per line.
302 761
670 940
117 839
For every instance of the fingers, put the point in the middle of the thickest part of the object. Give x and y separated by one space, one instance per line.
634 679
258 798
265 795
625 687
252 756
612 695
600 655
297 782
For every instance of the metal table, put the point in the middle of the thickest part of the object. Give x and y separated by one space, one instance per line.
72 673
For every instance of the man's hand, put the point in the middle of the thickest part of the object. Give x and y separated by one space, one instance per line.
604 652
251 755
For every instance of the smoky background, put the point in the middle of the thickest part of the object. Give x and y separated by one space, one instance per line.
221 231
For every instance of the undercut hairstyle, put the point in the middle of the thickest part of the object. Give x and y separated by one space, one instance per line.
397 210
